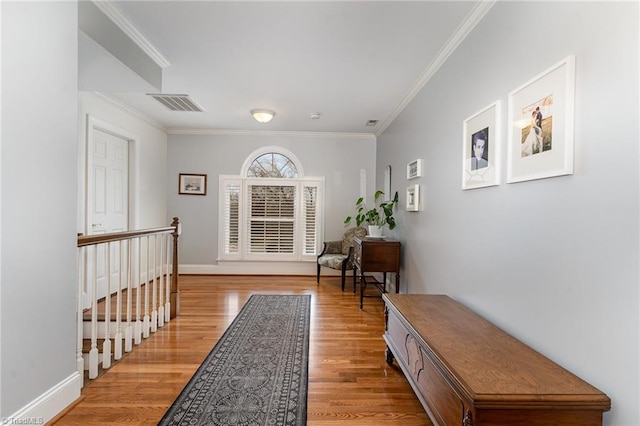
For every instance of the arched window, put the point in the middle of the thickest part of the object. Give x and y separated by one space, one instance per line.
274 165
270 211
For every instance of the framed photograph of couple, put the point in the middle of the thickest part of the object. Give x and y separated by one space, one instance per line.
540 125
481 148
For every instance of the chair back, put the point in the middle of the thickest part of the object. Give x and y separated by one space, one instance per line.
347 238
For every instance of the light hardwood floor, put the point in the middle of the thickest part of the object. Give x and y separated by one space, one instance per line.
349 380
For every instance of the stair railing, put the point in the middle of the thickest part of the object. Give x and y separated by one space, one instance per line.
139 269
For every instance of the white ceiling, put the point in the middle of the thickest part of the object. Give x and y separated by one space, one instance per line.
351 61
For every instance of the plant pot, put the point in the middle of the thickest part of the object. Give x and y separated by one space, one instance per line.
375 231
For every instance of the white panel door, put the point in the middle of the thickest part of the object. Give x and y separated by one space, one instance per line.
108 202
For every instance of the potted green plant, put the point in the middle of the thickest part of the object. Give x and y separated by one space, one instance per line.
380 214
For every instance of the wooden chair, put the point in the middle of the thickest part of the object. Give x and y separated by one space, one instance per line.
339 254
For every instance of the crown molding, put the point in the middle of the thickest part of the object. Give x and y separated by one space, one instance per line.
463 30
229 132
109 8
300 134
132 111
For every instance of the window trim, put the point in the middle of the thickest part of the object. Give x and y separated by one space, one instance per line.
299 214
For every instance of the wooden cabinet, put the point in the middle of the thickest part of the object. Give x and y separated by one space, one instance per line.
375 255
468 372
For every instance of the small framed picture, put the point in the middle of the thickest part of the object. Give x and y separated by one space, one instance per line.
414 169
540 122
481 148
192 184
413 198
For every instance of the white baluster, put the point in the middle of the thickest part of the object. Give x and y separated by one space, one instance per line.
138 327
163 283
154 288
146 324
93 352
106 346
117 351
128 331
160 283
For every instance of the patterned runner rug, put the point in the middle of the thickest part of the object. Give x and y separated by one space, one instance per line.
257 372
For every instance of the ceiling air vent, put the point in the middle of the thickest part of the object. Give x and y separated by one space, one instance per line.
176 102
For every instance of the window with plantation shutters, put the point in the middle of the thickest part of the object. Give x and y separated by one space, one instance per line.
271 212
271 218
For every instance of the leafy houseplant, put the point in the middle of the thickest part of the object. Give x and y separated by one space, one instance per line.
377 216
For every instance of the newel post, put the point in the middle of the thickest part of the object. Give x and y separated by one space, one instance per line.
175 291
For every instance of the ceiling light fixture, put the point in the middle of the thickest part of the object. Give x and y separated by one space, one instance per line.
262 115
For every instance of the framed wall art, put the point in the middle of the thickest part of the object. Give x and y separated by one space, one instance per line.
481 148
540 123
414 169
413 198
192 184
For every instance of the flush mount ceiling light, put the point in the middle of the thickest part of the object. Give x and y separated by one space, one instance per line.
262 115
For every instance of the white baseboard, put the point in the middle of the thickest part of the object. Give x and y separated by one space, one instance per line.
269 268
255 268
49 404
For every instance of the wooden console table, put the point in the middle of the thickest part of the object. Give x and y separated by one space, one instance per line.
375 255
468 372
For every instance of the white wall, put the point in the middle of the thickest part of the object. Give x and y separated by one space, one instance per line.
43 159
39 152
149 199
555 262
339 158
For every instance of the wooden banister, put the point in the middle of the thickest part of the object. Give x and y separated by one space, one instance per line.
143 275
87 240
174 229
